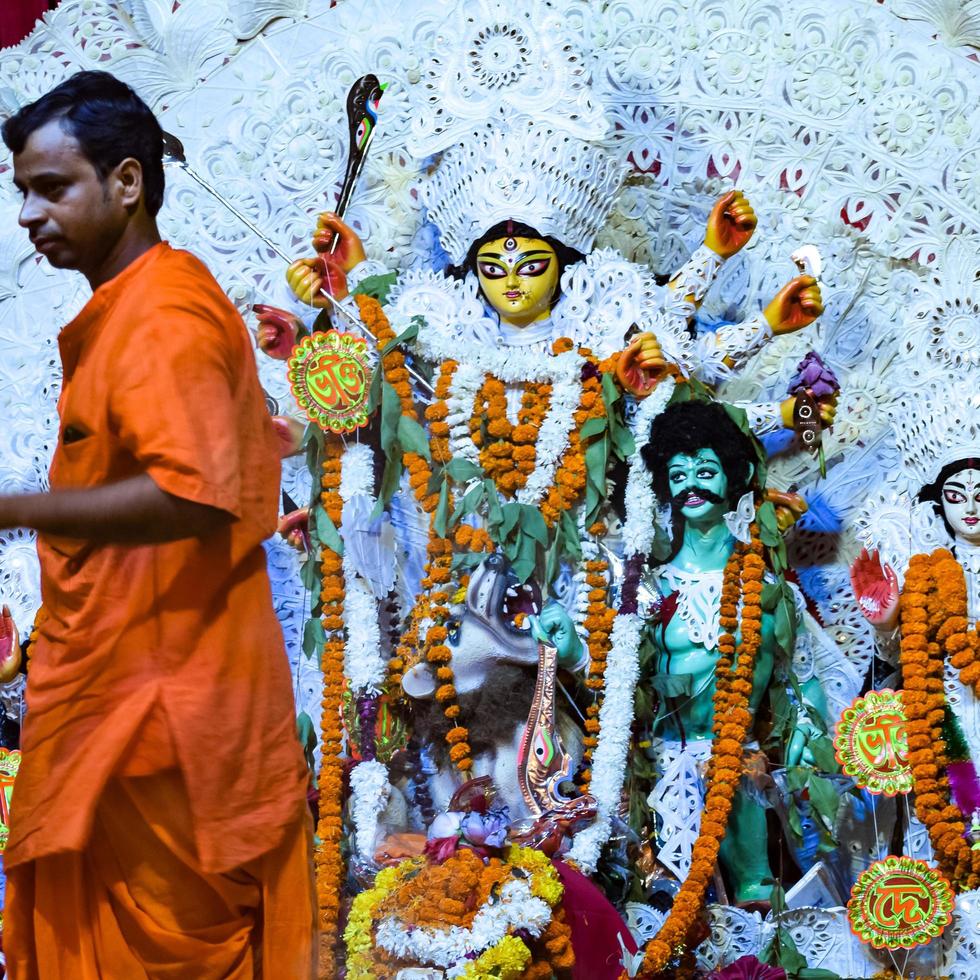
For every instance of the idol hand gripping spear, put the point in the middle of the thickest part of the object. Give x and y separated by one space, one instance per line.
362 116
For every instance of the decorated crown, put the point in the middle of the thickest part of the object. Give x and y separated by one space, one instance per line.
935 425
560 185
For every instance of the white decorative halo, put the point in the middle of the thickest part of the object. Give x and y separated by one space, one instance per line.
534 173
936 424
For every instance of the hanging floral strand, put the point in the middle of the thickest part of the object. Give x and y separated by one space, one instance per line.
328 861
934 626
742 584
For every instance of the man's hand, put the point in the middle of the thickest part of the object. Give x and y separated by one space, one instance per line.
642 365
730 224
827 407
349 251
131 511
9 647
277 331
795 306
876 590
555 627
309 279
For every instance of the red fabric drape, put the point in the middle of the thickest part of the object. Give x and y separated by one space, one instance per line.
17 19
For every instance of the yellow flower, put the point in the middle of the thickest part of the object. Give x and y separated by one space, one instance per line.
506 961
545 883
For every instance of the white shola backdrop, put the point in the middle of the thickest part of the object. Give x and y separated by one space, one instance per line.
850 125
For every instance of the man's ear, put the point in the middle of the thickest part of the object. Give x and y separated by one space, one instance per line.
126 180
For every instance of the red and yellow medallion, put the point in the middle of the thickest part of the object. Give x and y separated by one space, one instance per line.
871 743
329 376
900 902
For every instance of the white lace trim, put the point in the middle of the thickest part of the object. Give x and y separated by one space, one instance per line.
698 602
678 800
763 417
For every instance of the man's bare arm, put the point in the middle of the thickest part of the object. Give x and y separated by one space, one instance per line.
132 511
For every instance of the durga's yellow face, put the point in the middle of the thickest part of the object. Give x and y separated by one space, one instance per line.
519 277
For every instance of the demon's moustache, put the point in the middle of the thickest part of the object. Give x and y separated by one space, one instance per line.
680 499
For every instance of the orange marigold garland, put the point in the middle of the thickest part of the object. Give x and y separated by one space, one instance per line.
742 581
934 626
569 482
598 625
328 860
507 452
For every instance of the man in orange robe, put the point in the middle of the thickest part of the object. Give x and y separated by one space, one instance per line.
160 826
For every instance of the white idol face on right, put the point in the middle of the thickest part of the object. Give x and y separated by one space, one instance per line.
961 505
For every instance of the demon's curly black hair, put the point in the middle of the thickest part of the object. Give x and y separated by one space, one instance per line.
687 427
932 493
518 229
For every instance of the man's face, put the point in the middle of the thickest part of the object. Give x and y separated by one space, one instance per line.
519 277
72 216
698 485
961 505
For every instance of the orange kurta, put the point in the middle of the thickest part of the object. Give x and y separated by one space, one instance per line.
169 656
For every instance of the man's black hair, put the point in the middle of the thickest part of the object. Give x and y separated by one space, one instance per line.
517 229
688 427
109 120
932 493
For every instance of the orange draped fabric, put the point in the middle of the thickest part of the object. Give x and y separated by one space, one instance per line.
166 658
135 905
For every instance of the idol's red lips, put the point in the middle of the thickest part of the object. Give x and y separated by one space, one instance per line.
971 520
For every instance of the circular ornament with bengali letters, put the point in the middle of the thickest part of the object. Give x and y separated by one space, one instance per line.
900 902
871 743
330 376
9 764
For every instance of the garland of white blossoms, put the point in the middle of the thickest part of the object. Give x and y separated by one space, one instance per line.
623 665
364 661
511 365
562 371
466 383
515 908
641 502
552 441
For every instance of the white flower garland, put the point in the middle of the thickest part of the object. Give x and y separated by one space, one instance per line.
641 503
615 724
466 383
623 665
512 365
516 908
370 791
562 371
552 441
364 661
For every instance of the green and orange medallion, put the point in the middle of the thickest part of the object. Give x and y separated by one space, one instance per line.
871 743
330 376
900 902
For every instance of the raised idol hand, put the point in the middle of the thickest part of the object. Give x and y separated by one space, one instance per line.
876 589
330 228
9 646
277 331
730 224
795 306
642 365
